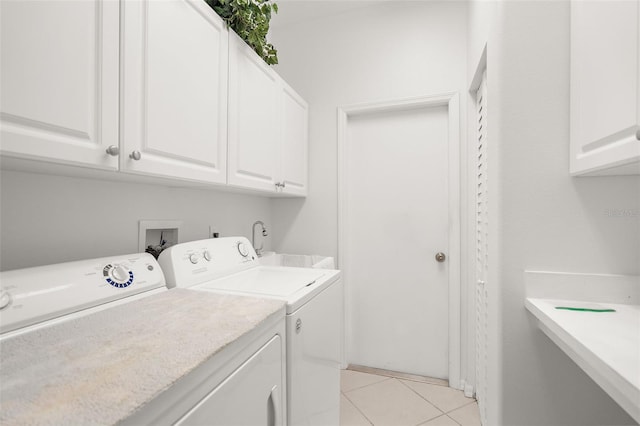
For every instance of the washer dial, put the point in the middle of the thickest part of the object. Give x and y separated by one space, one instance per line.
118 275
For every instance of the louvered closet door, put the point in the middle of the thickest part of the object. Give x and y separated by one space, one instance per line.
482 234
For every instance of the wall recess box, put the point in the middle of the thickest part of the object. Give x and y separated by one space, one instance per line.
150 232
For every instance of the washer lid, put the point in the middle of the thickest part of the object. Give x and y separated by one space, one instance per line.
277 281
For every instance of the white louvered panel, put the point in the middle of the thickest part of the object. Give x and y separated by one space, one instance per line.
482 255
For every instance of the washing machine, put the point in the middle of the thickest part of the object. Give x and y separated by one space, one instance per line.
314 320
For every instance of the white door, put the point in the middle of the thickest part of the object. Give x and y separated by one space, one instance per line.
254 119
295 135
397 221
175 90
59 79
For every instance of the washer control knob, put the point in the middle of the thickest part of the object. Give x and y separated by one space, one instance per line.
207 255
242 249
193 258
5 299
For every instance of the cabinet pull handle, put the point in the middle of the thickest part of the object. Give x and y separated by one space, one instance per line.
274 401
113 150
135 155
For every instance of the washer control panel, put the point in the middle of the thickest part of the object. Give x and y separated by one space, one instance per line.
32 295
195 262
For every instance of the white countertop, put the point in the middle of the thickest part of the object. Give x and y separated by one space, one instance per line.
606 345
101 368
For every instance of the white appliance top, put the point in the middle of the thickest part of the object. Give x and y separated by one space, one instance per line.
34 295
231 265
268 280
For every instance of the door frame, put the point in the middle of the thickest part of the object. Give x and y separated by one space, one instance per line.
451 100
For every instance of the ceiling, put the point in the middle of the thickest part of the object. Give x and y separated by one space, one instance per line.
295 11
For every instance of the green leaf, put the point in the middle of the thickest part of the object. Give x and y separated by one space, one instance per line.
250 20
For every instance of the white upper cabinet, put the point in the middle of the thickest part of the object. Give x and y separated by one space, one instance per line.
174 90
254 129
294 120
267 126
147 87
59 79
605 87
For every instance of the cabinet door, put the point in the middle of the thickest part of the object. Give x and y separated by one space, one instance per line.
254 126
251 395
59 78
174 90
604 85
295 136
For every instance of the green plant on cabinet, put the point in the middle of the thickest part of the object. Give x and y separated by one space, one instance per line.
250 20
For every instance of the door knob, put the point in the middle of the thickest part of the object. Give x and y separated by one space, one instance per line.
440 257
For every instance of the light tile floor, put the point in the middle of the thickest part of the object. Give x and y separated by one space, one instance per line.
369 399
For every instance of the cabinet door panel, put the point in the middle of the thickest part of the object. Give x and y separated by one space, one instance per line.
59 80
604 84
254 139
175 90
294 142
251 395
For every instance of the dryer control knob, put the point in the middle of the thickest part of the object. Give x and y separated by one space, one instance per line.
5 299
242 249
120 273
207 255
193 258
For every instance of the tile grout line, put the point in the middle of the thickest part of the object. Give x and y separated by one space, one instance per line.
424 399
401 380
400 376
370 384
443 412
358 408
443 415
462 406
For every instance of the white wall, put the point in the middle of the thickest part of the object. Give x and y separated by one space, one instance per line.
49 219
547 220
380 52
